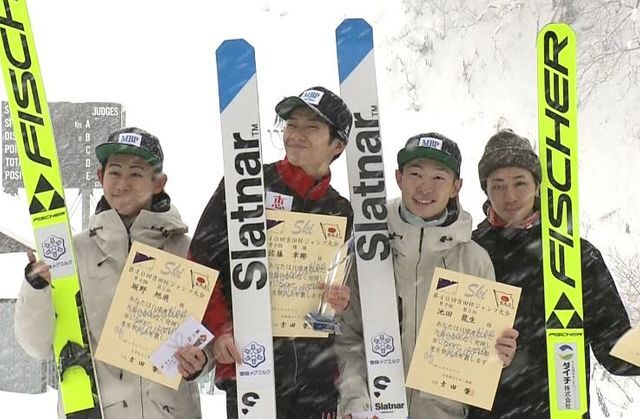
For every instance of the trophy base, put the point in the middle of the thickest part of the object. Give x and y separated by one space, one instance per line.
322 323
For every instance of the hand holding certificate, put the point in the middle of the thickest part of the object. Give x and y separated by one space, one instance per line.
301 248
156 293
455 355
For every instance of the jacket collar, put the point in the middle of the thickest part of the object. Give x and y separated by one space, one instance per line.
435 238
151 227
496 222
160 202
302 184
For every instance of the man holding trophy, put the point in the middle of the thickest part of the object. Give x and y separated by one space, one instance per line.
316 131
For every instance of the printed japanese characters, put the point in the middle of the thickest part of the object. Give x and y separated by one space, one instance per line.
455 355
191 332
156 293
301 247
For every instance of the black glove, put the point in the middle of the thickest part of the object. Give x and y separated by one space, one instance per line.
36 281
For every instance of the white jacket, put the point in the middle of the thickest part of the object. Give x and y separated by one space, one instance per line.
416 253
101 253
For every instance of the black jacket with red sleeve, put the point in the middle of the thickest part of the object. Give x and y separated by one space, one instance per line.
210 247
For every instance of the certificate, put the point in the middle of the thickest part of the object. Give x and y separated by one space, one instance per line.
455 355
628 347
301 247
157 291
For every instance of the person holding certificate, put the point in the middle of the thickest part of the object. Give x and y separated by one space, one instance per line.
134 207
428 229
510 175
316 131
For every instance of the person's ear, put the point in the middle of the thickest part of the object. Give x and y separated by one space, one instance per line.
399 178
339 148
100 174
159 181
457 185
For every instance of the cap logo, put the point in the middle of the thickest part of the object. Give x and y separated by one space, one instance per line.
312 97
130 139
430 143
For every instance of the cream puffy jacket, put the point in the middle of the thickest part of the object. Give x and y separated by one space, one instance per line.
417 251
101 252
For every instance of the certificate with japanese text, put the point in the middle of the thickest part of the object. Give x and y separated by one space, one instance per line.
455 355
628 347
301 247
157 291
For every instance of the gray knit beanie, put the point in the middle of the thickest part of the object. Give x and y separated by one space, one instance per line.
507 149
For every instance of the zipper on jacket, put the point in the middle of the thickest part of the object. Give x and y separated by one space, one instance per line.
415 288
141 399
305 199
415 297
295 357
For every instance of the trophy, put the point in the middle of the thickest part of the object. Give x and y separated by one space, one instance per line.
323 319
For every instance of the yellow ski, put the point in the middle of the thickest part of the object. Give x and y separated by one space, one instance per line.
43 186
562 269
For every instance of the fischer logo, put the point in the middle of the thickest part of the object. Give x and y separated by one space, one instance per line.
24 87
565 334
53 248
253 354
26 103
130 139
249 400
558 131
382 344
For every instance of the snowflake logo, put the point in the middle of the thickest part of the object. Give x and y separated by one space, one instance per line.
382 344
53 247
253 354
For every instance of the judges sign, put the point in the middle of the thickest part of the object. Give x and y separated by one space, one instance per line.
77 127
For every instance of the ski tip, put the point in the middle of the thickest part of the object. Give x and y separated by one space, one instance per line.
561 29
236 61
354 40
357 24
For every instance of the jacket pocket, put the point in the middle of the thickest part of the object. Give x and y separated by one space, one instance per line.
163 400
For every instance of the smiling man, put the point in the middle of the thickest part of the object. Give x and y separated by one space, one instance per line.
510 175
134 207
429 229
316 132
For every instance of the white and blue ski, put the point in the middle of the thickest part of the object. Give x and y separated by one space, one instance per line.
356 64
244 186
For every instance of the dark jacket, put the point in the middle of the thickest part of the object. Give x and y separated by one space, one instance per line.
210 247
517 259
